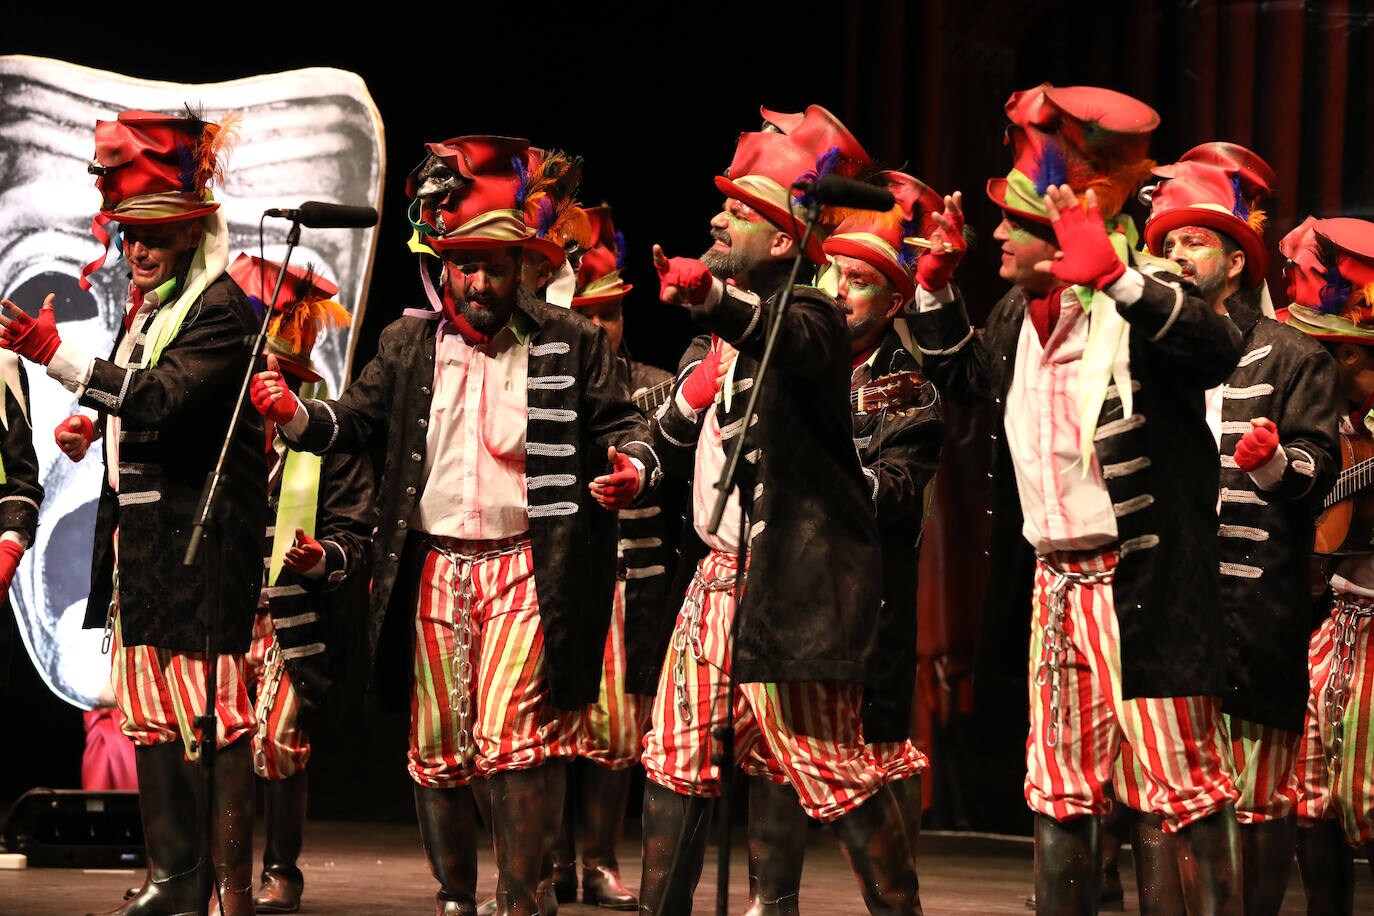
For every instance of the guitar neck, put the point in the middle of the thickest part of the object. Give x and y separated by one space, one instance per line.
1351 481
650 398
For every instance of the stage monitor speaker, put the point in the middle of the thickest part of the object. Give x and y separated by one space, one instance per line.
73 828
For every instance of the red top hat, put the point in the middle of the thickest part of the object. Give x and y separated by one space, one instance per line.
1330 273
1083 136
598 273
154 168
804 147
1220 186
551 210
485 207
303 309
877 238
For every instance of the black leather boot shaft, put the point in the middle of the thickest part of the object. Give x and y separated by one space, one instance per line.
777 848
873 839
1209 865
1327 867
1267 851
604 793
281 884
675 839
1067 866
519 827
1156 867
448 830
233 829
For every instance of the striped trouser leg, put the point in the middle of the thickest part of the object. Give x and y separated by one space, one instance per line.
899 759
1078 719
161 692
480 700
691 699
281 747
1265 769
611 730
1341 660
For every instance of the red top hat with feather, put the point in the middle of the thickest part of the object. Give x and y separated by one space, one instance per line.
878 238
598 272
303 309
1083 136
792 147
482 202
1330 273
154 168
1220 186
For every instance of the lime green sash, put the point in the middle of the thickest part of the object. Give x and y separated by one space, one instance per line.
300 496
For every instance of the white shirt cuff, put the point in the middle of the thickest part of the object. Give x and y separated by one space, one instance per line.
1269 475
71 367
297 425
1128 287
639 466
714 293
18 537
927 301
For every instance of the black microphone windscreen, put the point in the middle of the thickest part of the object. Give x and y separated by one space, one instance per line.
836 191
317 215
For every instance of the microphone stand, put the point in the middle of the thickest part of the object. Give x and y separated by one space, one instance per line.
204 531
725 733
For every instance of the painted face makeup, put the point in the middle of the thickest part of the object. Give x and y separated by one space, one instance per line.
1201 257
1022 249
741 238
866 297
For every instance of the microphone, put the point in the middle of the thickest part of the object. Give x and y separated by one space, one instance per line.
316 215
835 191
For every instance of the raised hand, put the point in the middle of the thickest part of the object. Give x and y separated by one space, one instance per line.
681 281
935 268
32 338
1086 255
270 396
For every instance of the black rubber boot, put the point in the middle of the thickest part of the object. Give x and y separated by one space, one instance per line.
777 848
873 839
604 793
233 829
170 807
519 823
675 839
1267 851
1327 867
448 830
908 795
1112 831
1209 865
1156 867
1067 866
281 884
564 871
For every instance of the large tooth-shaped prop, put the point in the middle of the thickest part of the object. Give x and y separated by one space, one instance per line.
311 134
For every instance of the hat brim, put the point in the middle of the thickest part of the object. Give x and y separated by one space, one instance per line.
451 244
895 273
1329 329
1256 257
303 371
997 193
126 219
588 301
783 220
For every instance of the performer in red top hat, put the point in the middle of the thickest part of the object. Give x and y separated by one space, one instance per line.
493 410
1330 274
1274 421
1096 366
163 402
802 511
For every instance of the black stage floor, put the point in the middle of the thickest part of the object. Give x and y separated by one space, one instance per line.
355 868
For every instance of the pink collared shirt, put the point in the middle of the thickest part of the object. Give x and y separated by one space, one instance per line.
475 440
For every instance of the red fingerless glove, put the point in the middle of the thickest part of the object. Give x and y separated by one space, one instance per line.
277 403
10 554
622 484
83 428
1256 447
687 274
33 338
700 388
935 268
1089 258
304 555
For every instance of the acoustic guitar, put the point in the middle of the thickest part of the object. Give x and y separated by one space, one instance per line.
897 390
1346 524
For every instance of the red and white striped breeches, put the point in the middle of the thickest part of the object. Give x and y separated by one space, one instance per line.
807 732
611 730
281 748
479 703
899 759
1079 721
161 692
1335 769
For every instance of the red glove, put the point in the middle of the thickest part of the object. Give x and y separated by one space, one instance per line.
935 268
31 338
10 554
270 396
74 435
616 490
700 388
1257 446
1087 256
689 275
304 555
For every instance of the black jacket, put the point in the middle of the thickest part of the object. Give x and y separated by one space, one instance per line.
174 417
811 601
578 406
20 493
1160 467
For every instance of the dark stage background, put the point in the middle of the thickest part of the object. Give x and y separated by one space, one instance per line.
653 102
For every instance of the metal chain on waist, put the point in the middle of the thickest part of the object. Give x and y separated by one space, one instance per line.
273 665
462 590
106 639
1054 647
1336 694
687 634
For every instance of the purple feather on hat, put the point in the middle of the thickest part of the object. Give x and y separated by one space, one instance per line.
186 167
1337 291
1241 211
619 250
824 166
522 180
1051 168
548 214
907 254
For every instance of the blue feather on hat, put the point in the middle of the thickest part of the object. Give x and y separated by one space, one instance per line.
907 254
187 164
1051 168
619 250
1240 210
1337 290
826 164
522 181
548 215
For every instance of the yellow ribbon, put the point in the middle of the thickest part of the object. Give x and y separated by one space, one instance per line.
299 497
